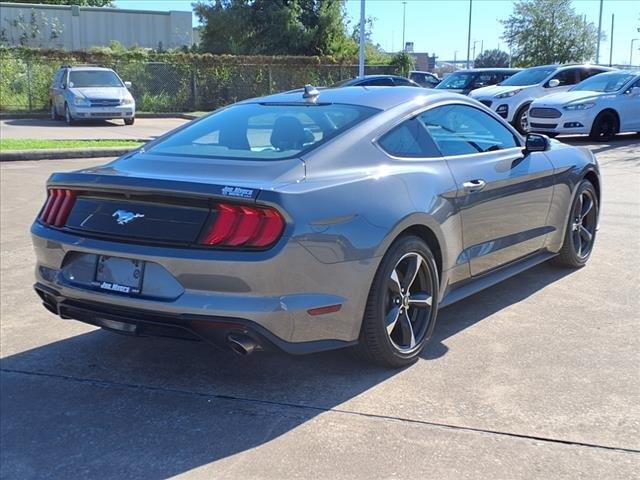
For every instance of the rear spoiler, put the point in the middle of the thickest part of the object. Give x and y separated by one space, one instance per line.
113 183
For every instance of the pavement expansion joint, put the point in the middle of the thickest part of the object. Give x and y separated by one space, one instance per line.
147 388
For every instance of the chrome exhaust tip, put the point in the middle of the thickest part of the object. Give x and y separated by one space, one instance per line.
242 344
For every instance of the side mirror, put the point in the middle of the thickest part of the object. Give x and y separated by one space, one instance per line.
553 83
536 142
633 92
127 84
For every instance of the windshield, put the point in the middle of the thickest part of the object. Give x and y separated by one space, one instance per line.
458 80
530 76
262 131
94 78
608 82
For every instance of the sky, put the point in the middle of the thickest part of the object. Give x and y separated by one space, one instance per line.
440 26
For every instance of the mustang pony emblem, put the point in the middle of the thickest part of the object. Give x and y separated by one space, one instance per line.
122 216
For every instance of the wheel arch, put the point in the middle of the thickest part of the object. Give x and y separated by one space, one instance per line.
593 177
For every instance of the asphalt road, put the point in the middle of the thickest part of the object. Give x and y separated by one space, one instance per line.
42 128
536 377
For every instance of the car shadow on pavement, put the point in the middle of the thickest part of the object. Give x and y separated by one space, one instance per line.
103 405
478 307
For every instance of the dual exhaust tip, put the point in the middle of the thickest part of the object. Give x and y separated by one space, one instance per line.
242 344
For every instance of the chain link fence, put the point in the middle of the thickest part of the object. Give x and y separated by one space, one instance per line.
172 87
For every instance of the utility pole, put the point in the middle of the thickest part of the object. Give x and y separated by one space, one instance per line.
362 41
404 12
474 51
599 34
611 40
631 52
455 57
481 46
469 36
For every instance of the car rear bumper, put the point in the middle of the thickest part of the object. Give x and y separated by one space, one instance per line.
215 331
249 287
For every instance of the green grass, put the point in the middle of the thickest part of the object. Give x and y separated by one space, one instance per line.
37 144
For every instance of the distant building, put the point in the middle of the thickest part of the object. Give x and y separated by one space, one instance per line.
80 28
424 61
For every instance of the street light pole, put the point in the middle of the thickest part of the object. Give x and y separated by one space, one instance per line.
611 40
631 52
474 51
362 41
599 34
404 17
469 35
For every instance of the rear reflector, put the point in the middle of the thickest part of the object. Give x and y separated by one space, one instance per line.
325 310
244 226
57 207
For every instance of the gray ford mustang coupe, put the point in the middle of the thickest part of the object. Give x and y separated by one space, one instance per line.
313 220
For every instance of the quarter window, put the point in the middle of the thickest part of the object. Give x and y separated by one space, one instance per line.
409 139
462 130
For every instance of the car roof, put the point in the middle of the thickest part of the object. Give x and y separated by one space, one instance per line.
87 67
382 98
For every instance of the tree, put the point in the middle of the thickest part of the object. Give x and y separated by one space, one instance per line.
82 3
542 32
274 27
402 63
492 58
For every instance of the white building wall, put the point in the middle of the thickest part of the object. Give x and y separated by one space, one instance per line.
85 27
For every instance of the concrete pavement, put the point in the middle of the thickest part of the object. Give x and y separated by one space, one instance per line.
143 129
536 377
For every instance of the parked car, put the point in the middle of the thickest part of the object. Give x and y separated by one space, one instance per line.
89 92
313 220
377 81
511 98
464 81
424 79
601 106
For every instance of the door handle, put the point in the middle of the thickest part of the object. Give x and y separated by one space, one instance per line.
474 185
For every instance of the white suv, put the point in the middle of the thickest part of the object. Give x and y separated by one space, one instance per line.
511 98
600 106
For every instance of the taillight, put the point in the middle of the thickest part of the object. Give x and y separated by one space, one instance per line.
244 226
57 207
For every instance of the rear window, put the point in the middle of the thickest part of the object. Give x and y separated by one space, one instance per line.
263 131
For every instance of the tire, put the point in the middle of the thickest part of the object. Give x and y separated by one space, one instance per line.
397 343
520 118
605 127
67 115
580 229
129 121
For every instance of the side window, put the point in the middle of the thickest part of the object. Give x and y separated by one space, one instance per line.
484 79
409 139
588 72
461 130
56 79
403 82
377 82
567 77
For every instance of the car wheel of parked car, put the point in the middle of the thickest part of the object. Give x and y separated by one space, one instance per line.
605 126
129 121
54 112
521 120
402 305
67 115
580 233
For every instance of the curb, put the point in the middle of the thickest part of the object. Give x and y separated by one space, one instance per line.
61 154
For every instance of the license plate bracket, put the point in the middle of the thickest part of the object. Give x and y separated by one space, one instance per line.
119 275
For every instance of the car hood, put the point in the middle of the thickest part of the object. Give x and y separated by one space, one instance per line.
562 98
494 90
101 93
